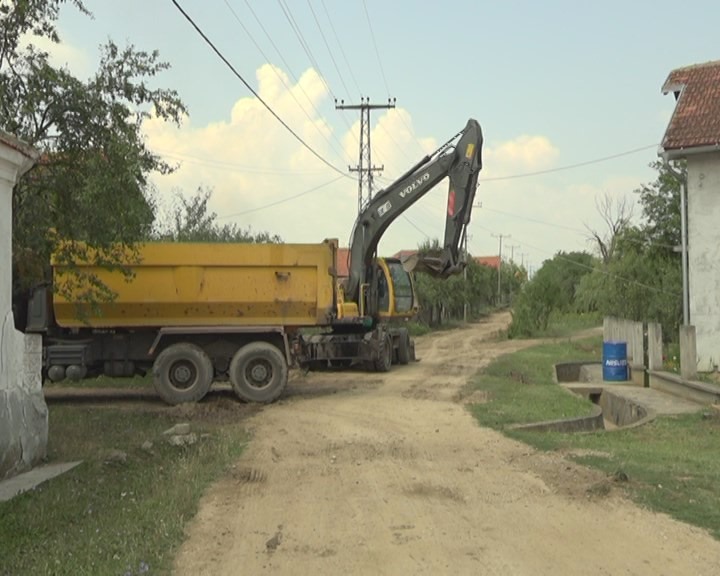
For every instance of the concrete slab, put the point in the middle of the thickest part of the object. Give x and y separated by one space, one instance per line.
657 401
29 480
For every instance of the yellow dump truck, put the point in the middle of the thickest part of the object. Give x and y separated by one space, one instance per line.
196 313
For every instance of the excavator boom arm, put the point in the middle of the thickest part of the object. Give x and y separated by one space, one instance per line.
462 164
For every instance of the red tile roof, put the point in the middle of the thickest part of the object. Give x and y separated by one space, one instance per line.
696 119
341 262
492 261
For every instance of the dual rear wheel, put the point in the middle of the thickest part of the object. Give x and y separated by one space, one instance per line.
184 373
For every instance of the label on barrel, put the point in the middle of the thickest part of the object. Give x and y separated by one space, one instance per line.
615 362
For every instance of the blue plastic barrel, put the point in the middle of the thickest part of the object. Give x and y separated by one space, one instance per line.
615 367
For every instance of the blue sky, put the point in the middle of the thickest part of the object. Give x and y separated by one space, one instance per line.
553 84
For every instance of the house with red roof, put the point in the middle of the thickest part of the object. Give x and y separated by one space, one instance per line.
693 134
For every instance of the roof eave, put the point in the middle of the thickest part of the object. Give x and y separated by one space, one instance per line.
680 153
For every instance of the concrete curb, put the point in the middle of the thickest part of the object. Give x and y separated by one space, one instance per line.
30 480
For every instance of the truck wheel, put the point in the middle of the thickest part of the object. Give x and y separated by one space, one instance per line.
403 350
385 355
258 372
182 373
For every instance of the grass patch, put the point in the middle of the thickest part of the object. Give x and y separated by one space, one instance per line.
113 517
671 464
135 382
521 387
562 325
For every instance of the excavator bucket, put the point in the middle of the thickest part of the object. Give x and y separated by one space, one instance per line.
432 265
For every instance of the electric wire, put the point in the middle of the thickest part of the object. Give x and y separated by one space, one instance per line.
576 230
332 58
303 43
233 166
342 52
306 48
591 268
569 166
252 90
377 53
280 77
281 201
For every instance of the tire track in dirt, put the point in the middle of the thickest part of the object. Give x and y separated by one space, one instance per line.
397 478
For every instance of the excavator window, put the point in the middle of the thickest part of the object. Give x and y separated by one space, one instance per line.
402 286
383 292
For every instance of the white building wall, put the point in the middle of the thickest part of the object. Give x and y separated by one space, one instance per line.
23 412
704 255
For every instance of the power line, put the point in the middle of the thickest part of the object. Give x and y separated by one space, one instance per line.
235 167
337 39
305 46
591 268
570 166
279 76
377 53
250 88
636 241
382 70
281 201
322 35
416 226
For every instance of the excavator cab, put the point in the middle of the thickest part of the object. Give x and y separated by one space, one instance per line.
396 296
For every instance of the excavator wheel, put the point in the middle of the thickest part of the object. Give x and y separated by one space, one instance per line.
403 350
385 355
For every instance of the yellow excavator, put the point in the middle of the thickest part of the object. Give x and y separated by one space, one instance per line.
380 291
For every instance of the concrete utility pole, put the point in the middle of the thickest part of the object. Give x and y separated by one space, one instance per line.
500 238
465 286
512 252
365 167
465 304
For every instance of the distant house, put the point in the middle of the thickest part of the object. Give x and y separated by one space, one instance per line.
342 258
491 261
694 134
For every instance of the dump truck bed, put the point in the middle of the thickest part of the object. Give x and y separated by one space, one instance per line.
193 284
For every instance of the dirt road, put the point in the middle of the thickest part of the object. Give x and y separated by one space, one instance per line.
358 473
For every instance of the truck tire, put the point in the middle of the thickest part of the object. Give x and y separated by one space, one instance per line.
258 372
403 350
385 355
182 373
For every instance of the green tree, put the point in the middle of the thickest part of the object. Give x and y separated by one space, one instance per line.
192 221
643 280
660 201
444 299
553 288
89 196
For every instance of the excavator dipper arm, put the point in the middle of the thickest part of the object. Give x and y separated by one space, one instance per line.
462 164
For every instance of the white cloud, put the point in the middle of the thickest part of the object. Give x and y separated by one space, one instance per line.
61 54
522 154
251 161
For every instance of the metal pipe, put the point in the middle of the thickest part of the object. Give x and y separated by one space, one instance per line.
683 237
684 251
